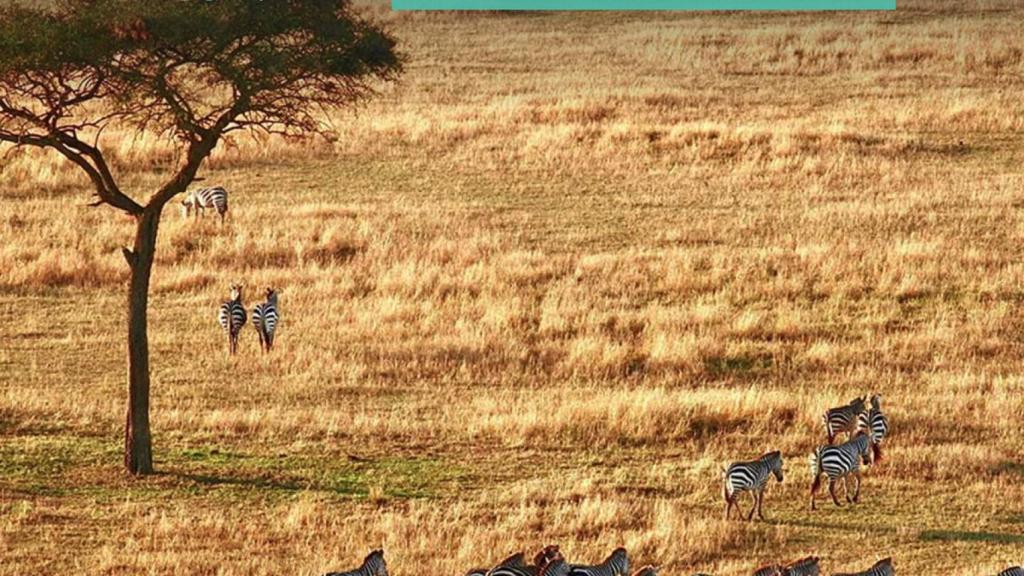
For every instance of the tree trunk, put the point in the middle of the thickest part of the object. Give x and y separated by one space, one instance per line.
138 452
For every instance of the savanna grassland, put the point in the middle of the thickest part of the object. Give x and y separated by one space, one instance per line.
541 291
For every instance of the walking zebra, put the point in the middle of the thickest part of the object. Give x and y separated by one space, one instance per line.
750 477
232 317
200 200
1013 571
881 568
803 567
373 565
840 461
264 318
876 424
617 564
843 419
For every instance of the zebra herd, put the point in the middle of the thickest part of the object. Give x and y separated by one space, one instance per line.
550 562
232 314
865 428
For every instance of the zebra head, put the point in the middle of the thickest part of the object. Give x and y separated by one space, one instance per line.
774 461
858 404
374 564
236 291
865 445
618 561
876 402
271 295
187 203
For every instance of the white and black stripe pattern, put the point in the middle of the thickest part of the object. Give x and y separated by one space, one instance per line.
515 562
874 422
265 317
200 200
750 477
772 570
373 565
804 567
617 564
232 317
840 462
1012 571
881 568
843 419
556 567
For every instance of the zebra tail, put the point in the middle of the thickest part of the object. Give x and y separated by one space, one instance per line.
877 449
725 484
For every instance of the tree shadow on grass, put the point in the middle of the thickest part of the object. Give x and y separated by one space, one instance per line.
257 482
963 536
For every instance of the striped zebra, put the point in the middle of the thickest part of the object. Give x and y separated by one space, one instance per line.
881 568
200 200
840 462
232 317
1012 571
556 567
617 564
750 477
265 317
874 422
373 565
770 570
804 567
515 565
843 419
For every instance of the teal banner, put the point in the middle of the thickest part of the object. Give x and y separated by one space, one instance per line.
687 5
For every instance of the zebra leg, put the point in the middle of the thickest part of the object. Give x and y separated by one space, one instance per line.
760 504
814 489
728 507
856 494
846 489
753 505
832 491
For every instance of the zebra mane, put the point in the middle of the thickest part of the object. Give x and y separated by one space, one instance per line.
517 560
883 562
547 554
374 557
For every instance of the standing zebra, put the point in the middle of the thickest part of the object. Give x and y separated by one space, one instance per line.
1013 571
803 567
881 568
232 317
373 565
876 424
200 200
840 462
843 419
617 564
264 318
750 477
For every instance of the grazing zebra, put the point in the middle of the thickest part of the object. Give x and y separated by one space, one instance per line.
881 568
264 318
771 570
841 461
803 567
843 419
874 422
200 200
750 477
1013 571
232 317
373 565
617 564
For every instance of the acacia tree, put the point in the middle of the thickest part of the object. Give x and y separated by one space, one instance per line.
191 71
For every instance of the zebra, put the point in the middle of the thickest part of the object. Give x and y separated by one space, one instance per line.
1012 571
232 317
874 422
200 200
515 565
750 477
840 461
843 419
880 568
556 567
770 570
648 571
617 564
803 567
373 565
264 318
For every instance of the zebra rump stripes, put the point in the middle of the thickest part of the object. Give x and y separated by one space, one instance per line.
1013 571
373 565
803 567
876 424
617 564
264 318
232 317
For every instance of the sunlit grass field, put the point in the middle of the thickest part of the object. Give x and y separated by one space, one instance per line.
542 291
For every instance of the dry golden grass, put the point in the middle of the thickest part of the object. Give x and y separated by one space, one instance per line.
543 291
